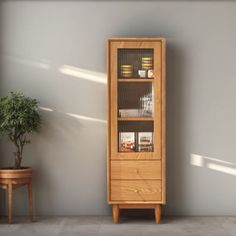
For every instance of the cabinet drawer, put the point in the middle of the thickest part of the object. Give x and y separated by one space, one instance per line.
135 190
135 170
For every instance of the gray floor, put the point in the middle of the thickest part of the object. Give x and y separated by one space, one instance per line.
129 226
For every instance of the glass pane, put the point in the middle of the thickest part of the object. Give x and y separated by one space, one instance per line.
135 136
135 63
135 99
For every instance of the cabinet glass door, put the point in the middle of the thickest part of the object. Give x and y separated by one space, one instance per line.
137 92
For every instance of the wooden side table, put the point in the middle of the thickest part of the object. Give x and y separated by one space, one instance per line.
11 179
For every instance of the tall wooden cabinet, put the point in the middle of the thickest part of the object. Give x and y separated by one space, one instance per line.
136 124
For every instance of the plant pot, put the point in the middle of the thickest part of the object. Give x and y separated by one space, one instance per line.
10 179
11 173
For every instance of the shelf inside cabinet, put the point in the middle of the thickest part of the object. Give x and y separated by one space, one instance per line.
136 80
135 101
136 135
135 118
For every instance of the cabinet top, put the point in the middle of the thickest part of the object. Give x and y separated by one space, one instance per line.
136 39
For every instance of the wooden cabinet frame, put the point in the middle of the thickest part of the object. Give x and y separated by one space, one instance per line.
159 119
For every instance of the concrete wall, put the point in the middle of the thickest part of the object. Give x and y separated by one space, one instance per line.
55 52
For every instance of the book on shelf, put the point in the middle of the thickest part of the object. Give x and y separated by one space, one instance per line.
129 113
145 141
127 141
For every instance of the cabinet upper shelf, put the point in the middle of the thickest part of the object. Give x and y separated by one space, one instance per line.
135 118
136 80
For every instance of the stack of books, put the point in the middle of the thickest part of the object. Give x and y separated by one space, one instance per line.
126 142
127 71
145 142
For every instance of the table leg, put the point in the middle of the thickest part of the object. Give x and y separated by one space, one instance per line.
158 213
116 213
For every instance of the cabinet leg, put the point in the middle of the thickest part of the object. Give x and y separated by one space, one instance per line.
158 213
116 213
30 199
9 198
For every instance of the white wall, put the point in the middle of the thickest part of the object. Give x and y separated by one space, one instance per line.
39 38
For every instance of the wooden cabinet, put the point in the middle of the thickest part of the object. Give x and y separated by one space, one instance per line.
136 124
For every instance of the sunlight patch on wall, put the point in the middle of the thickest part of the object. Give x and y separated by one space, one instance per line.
84 74
221 168
218 160
196 160
80 117
213 164
42 63
45 108
86 118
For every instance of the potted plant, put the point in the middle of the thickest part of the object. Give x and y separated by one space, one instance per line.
19 118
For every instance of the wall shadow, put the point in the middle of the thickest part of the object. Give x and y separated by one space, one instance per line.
175 125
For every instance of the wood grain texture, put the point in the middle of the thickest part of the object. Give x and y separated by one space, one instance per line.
113 99
136 39
137 190
135 170
108 122
163 118
135 156
137 206
16 173
141 202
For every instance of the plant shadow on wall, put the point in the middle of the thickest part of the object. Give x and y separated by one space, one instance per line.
72 144
69 158
79 140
